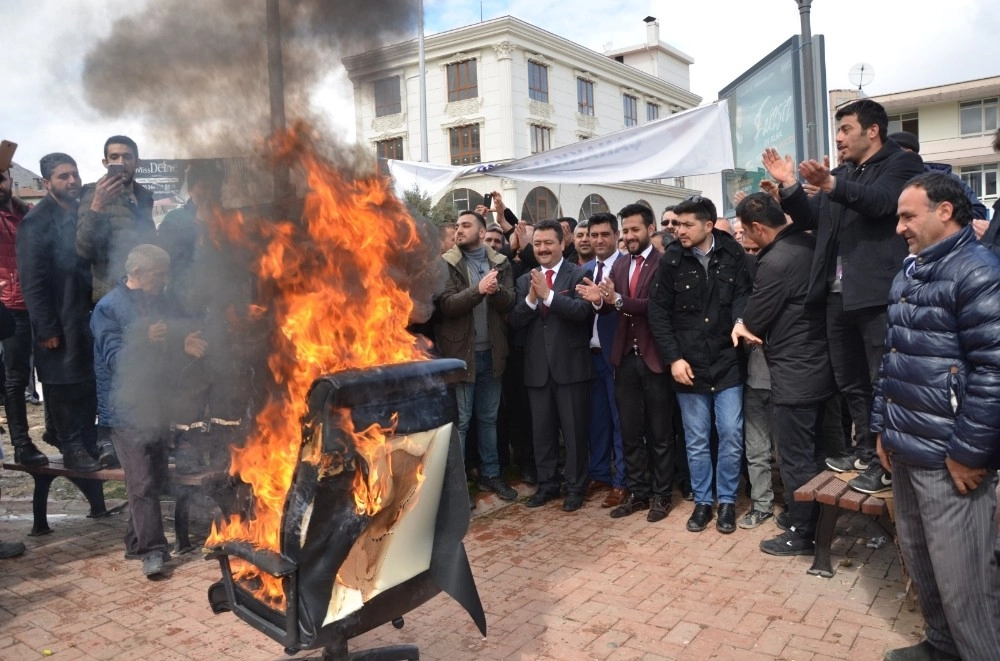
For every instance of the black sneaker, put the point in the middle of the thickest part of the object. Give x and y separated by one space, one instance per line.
754 518
78 459
783 521
107 457
873 481
498 486
788 543
29 455
848 462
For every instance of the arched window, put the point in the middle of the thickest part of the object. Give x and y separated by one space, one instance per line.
592 204
644 203
541 203
465 199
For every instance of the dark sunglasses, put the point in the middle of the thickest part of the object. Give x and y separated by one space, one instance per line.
694 199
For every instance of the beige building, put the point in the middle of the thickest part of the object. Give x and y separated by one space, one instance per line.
955 124
504 89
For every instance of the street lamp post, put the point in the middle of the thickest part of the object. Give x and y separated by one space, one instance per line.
808 80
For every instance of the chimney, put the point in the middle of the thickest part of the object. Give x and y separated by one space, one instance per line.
652 31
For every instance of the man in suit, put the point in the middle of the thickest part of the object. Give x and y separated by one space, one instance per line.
557 366
605 429
642 385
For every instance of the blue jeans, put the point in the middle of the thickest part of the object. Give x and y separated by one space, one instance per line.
481 397
697 415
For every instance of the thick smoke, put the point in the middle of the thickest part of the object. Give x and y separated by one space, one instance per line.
196 73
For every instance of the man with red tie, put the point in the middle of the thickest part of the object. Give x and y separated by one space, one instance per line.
557 365
642 385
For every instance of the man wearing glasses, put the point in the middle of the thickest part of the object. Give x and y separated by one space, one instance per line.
668 223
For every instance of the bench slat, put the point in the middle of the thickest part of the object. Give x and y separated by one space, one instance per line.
832 491
807 492
874 506
851 500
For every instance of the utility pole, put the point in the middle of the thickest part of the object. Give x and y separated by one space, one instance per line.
423 81
276 85
808 81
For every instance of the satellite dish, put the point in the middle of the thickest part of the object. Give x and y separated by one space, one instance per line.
608 46
861 74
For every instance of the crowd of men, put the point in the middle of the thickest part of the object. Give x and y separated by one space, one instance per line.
83 279
848 319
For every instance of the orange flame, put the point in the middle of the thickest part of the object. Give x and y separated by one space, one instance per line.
339 300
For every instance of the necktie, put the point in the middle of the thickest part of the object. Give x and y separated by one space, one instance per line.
550 275
634 282
600 273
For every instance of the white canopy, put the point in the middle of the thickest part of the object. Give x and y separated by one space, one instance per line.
695 141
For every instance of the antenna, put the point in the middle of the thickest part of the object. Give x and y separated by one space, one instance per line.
860 75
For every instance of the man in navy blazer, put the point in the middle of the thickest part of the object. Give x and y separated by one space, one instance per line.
557 365
605 428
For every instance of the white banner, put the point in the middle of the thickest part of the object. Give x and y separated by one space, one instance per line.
695 141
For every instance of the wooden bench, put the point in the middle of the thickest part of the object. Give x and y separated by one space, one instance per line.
182 486
834 497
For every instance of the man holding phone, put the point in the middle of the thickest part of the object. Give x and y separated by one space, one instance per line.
116 215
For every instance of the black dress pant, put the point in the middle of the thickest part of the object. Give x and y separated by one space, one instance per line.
73 409
514 430
643 399
561 406
143 455
797 433
17 365
857 342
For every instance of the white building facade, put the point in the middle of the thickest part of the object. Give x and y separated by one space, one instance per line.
504 89
955 124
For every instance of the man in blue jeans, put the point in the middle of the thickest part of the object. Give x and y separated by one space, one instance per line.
479 292
701 288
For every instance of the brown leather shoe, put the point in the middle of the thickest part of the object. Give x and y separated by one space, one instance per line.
615 498
595 487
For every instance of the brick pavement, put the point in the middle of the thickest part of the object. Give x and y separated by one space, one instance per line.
554 585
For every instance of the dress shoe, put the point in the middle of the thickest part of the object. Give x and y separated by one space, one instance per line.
726 523
630 505
615 497
595 487
541 497
153 565
700 518
659 508
29 455
573 502
498 486
529 475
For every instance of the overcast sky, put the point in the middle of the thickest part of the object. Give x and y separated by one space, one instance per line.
910 44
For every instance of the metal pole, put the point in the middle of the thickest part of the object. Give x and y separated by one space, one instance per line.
808 80
276 83
423 81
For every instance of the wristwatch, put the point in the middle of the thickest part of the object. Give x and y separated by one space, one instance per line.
619 302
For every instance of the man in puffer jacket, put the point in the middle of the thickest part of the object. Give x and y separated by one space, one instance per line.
937 420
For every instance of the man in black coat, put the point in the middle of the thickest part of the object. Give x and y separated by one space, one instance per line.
56 283
700 290
557 365
792 332
857 255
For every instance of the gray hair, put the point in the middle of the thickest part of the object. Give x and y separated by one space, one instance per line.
146 257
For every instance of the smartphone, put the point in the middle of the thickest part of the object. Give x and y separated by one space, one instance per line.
7 149
116 170
488 200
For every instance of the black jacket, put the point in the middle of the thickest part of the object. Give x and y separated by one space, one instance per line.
794 332
939 382
56 283
857 220
691 313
